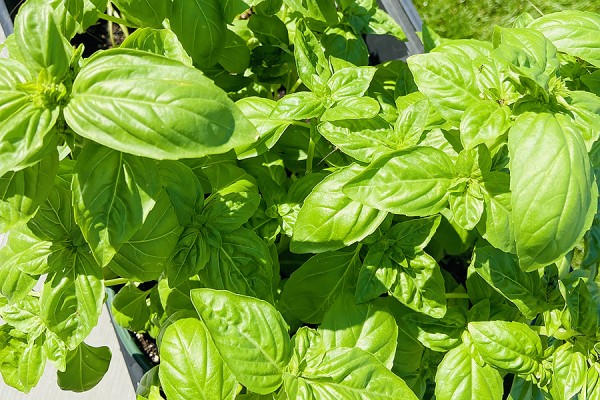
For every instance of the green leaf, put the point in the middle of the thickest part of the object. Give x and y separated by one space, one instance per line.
237 325
184 189
363 139
130 309
465 48
501 270
523 389
23 123
348 374
75 16
413 235
572 32
142 12
113 193
40 42
321 10
342 42
54 221
312 66
22 192
313 287
569 368
350 82
391 183
448 82
14 284
27 253
191 366
177 298
496 222
460 377
166 110
369 326
484 122
158 41
242 265
382 23
149 387
437 334
553 190
298 106
467 207
412 122
258 111
512 346
235 56
582 308
200 27
190 255
269 29
352 108
24 316
86 367
420 285
145 255
329 220
585 108
72 298
377 274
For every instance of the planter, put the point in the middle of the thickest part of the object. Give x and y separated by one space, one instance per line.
6 26
136 360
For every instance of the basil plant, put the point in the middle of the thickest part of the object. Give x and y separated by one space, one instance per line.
289 221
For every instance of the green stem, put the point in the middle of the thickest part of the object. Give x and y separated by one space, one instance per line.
310 153
110 18
116 281
35 294
302 124
295 87
457 296
111 36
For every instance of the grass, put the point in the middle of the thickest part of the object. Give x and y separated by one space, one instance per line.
477 18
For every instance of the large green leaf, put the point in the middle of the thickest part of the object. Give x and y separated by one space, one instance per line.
572 32
329 220
130 308
570 369
145 255
368 326
437 334
460 377
191 366
447 80
393 183
501 270
347 373
72 298
313 67
23 124
512 346
159 41
27 253
313 287
113 193
241 265
553 189
22 192
200 28
144 13
40 41
54 220
151 106
85 368
237 325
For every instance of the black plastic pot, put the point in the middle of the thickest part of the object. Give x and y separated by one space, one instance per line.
136 360
6 26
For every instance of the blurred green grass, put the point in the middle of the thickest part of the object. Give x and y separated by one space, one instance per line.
477 18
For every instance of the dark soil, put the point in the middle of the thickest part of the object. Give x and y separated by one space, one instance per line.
97 38
146 343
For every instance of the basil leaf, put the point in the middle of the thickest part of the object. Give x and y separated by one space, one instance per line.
350 82
237 325
14 284
511 346
313 287
392 184
413 235
448 82
312 66
145 255
130 309
460 377
572 32
142 12
72 298
25 252
501 270
23 123
166 110
329 220
22 192
437 334
85 368
582 308
369 327
569 368
241 265
377 274
484 122
496 222
158 41
190 255
548 222
362 139
341 374
191 366
184 189
24 316
73 16
352 108
298 106
40 42
113 193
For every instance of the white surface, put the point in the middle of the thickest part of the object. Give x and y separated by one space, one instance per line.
116 384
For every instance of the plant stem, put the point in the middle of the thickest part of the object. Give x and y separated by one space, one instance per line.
110 18
302 124
310 153
295 87
111 36
115 282
457 296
